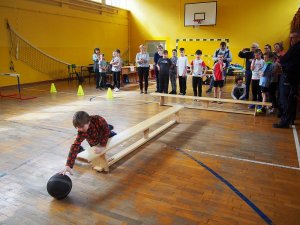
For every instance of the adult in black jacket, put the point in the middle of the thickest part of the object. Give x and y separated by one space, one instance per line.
248 55
291 72
157 56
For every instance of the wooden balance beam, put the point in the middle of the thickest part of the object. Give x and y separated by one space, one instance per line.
99 161
207 100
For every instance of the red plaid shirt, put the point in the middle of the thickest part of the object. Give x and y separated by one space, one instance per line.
97 134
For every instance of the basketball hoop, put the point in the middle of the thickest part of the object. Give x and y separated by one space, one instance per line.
197 22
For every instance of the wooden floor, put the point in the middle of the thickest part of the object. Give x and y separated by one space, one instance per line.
193 173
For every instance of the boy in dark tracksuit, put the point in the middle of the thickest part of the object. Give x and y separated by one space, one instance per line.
164 65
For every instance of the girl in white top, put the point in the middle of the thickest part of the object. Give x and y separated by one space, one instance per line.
257 65
142 60
116 68
182 64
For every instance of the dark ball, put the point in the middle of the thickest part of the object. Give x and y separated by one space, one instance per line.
59 186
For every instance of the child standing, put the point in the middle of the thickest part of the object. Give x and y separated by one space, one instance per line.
102 70
218 76
239 89
173 72
116 69
96 57
256 67
273 88
265 77
182 64
198 71
164 65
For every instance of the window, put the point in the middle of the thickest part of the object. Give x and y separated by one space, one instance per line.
117 3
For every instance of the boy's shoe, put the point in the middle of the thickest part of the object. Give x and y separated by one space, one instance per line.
259 111
251 106
116 89
215 100
112 133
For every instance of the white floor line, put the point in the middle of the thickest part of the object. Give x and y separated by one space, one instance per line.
296 143
245 160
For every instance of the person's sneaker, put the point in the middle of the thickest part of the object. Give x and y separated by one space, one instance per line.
117 90
145 92
112 133
271 110
215 101
251 106
277 125
141 92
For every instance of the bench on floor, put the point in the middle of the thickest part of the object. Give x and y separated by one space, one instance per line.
101 163
207 100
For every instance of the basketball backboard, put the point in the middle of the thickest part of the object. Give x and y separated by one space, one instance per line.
204 11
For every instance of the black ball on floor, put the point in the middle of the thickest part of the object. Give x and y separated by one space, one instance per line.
59 186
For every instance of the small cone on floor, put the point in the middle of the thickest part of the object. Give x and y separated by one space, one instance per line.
109 94
80 91
53 89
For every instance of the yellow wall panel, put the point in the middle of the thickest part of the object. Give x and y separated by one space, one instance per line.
242 22
61 31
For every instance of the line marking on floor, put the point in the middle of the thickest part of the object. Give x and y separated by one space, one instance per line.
296 143
244 160
251 204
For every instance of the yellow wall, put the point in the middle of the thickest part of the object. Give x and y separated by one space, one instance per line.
242 21
67 34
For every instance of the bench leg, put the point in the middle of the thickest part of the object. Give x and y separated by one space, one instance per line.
177 118
206 103
255 110
100 164
146 134
162 100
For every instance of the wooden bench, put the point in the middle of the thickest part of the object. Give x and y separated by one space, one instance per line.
99 161
208 100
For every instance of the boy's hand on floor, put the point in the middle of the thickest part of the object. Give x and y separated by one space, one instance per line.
67 169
